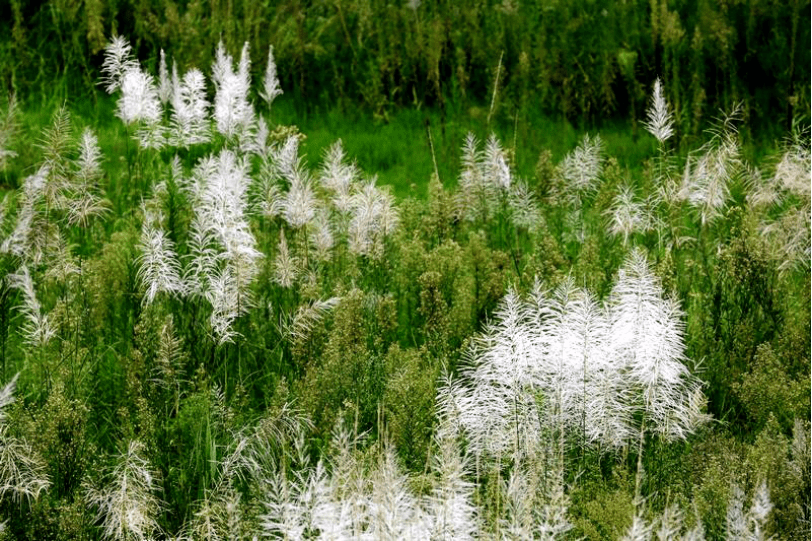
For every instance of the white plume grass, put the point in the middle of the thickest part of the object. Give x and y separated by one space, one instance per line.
660 121
127 503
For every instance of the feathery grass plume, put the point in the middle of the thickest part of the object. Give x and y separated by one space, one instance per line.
37 330
497 170
499 410
790 231
9 125
580 170
450 505
139 100
56 143
627 215
23 473
233 112
524 209
219 194
394 512
83 199
374 217
117 61
322 240
23 240
307 316
286 265
338 177
476 197
708 172
189 124
158 265
127 505
203 259
165 87
660 122
271 89
748 525
640 530
222 294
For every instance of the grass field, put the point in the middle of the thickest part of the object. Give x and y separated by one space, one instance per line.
218 323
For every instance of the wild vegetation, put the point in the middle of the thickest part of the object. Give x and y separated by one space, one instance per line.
206 334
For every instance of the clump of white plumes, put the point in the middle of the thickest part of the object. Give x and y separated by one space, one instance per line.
233 112
598 368
127 504
37 329
225 257
487 185
708 172
271 89
660 122
189 124
140 100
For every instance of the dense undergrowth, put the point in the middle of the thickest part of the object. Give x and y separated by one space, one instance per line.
205 335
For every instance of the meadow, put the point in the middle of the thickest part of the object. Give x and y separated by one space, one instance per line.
228 312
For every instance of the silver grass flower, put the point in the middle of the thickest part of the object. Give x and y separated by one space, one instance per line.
189 124
660 122
158 265
524 209
476 197
450 505
640 530
271 89
8 129
497 171
127 505
707 174
322 240
306 318
21 241
338 177
374 217
748 525
580 170
223 295
647 340
627 215
83 199
139 101
286 265
233 112
37 329
117 61
165 87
